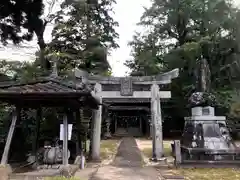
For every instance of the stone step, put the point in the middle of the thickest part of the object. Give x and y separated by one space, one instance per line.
169 175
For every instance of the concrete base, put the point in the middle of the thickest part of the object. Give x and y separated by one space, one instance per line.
5 171
201 111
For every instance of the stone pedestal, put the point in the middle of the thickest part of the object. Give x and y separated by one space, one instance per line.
206 136
203 111
5 171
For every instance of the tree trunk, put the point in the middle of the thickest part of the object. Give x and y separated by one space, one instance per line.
91 124
42 45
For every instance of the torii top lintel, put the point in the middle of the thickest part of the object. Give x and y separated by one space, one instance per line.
164 78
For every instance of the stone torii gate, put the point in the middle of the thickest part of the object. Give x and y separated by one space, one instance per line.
115 89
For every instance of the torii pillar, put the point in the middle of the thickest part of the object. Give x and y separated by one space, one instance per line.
97 118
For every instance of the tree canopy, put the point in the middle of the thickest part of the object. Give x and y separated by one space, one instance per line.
19 19
178 34
84 34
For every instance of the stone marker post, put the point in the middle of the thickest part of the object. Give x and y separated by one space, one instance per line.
157 139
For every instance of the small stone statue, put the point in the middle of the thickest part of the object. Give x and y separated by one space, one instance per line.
107 134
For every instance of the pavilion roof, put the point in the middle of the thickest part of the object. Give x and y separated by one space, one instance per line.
43 85
46 89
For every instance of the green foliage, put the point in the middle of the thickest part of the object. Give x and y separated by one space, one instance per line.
22 71
145 55
84 38
19 19
4 115
25 71
178 34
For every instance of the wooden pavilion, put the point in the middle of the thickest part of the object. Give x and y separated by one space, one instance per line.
50 91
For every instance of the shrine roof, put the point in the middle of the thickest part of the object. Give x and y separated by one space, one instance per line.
163 78
45 88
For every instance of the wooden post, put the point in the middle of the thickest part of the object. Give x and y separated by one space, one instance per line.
15 114
84 140
78 124
140 121
65 140
148 127
157 139
126 123
97 122
38 120
115 125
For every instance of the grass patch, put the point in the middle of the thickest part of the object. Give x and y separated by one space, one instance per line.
210 174
166 147
197 173
108 148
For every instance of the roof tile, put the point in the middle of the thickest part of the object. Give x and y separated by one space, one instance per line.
48 85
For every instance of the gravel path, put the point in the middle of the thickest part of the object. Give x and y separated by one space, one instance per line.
127 165
128 154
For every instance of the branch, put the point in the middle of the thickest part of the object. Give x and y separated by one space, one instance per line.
50 15
172 34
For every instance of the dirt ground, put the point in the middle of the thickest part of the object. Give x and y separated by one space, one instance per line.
126 173
126 165
146 143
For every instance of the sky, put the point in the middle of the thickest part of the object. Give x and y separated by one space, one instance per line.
127 13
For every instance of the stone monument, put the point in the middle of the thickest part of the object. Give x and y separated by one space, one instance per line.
206 136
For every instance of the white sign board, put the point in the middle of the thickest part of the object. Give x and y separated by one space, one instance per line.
69 131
